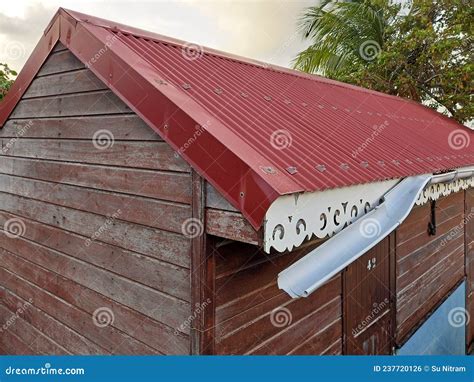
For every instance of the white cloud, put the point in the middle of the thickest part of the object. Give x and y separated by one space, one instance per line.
259 29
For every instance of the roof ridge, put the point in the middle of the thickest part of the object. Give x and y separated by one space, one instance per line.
159 38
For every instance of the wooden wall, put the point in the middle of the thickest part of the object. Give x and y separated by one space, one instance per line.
428 267
469 245
253 316
223 220
60 190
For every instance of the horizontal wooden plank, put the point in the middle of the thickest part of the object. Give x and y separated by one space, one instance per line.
416 302
149 302
113 340
156 274
62 61
10 344
154 184
147 330
150 212
318 342
100 102
238 334
150 155
290 337
231 225
64 83
421 260
70 340
416 223
163 245
444 231
123 127
37 341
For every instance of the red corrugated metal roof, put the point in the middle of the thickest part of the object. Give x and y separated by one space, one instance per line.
265 131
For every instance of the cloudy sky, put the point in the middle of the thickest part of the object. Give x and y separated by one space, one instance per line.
261 29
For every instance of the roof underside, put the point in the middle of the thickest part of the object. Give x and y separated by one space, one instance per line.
252 130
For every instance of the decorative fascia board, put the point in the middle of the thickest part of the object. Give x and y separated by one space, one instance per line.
293 219
435 191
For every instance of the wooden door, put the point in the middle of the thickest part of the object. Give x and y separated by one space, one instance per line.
367 302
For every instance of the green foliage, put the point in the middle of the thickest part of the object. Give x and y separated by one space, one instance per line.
425 55
6 79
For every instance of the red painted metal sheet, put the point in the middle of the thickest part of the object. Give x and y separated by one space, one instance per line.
256 131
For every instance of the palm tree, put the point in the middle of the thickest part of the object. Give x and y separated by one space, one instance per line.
342 33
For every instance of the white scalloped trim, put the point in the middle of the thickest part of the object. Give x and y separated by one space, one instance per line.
293 219
435 191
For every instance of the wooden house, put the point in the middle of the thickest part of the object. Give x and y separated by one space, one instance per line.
157 197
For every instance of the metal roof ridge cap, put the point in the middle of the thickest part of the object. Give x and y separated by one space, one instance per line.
138 32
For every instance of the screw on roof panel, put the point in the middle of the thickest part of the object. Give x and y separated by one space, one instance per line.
320 106
268 169
291 170
381 163
267 98
218 90
244 95
321 167
344 166
304 104
186 86
396 162
364 164
161 82
287 101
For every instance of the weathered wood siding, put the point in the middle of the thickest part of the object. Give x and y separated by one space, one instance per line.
367 302
101 226
223 220
253 316
428 267
469 245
